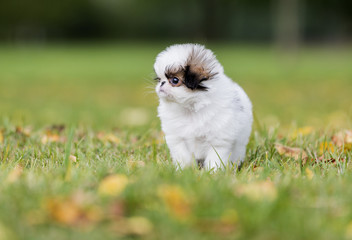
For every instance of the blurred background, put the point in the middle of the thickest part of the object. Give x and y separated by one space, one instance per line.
90 62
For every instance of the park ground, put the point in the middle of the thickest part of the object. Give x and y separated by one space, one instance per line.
82 155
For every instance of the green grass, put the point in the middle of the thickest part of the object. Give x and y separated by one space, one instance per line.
102 96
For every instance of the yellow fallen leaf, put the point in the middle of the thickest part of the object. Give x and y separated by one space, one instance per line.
326 147
14 174
302 131
113 185
63 211
76 209
309 173
295 153
258 191
176 201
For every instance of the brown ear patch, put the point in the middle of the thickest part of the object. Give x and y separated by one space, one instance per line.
199 67
193 76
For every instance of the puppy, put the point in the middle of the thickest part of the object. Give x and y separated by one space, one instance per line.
206 117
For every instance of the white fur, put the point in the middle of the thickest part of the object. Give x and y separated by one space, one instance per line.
200 125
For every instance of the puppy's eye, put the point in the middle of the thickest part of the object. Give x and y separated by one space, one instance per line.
175 81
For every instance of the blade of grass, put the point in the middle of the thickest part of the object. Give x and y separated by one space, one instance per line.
68 163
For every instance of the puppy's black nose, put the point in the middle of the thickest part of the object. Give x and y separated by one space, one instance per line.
162 83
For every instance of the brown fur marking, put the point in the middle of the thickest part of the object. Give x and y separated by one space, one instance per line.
199 67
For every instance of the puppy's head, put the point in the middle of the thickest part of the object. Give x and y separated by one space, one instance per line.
184 71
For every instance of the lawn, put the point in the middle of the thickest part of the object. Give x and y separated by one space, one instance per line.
82 155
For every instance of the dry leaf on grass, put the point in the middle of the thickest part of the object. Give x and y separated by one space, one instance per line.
343 139
176 201
72 158
113 185
112 138
295 153
54 134
25 131
49 137
63 211
108 138
73 210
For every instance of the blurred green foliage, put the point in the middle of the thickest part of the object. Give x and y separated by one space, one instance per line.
253 20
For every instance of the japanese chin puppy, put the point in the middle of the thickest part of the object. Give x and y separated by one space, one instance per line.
206 117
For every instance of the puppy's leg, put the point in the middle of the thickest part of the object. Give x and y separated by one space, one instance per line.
181 156
217 158
238 154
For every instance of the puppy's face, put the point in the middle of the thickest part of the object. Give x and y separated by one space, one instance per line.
181 82
183 72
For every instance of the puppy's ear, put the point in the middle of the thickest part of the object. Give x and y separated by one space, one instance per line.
193 76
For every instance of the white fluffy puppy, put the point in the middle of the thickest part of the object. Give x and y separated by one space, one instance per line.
206 117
